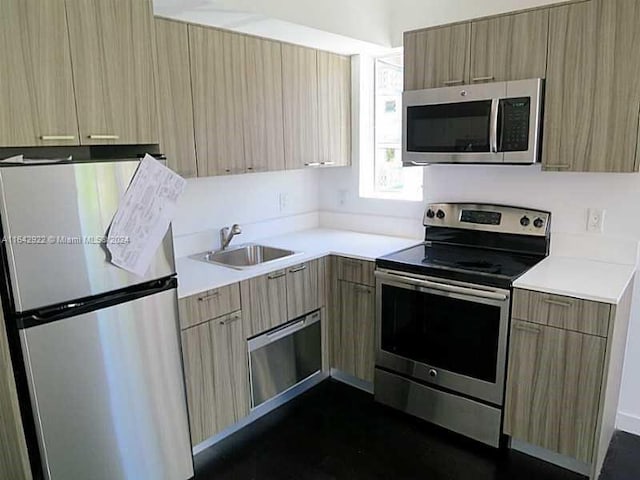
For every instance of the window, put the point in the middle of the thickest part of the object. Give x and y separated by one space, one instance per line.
387 177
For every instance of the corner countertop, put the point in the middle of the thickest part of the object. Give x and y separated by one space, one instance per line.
580 278
195 276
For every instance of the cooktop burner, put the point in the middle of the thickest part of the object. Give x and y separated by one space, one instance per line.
464 263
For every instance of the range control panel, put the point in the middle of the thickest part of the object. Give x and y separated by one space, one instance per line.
490 218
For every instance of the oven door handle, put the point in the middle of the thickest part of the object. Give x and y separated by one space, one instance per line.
445 287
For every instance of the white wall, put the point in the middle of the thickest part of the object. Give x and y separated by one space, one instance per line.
408 15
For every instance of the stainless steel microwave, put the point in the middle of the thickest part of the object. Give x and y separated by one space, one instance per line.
492 123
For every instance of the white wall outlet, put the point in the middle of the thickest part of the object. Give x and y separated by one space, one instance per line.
283 201
595 220
342 197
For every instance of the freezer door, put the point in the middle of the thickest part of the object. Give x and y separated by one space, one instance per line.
108 393
52 218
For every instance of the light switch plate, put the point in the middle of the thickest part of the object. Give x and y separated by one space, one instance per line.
595 220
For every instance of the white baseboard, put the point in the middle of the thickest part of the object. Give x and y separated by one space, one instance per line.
628 423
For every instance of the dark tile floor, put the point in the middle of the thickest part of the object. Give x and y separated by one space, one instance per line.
623 458
337 432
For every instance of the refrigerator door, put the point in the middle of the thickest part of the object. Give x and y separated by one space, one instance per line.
52 218
108 393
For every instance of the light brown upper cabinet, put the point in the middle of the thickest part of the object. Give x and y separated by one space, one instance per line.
437 57
36 86
334 108
175 102
263 121
510 47
593 87
218 77
113 71
300 96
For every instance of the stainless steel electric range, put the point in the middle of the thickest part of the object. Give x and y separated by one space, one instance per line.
443 310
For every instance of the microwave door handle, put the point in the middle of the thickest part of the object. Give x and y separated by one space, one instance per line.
493 128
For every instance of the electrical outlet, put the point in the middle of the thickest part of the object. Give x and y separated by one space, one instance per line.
283 201
342 197
595 220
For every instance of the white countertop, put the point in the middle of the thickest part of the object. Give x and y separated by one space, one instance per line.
195 276
580 278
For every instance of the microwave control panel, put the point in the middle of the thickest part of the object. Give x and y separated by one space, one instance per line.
515 114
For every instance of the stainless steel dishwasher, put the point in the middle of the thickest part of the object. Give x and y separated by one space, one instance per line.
284 357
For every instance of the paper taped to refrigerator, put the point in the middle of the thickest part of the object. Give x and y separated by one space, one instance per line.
144 215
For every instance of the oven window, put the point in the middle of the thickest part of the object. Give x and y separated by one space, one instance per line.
451 127
446 333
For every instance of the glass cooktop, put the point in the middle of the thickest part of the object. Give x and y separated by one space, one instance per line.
463 263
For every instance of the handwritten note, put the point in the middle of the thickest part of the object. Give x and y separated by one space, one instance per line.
144 215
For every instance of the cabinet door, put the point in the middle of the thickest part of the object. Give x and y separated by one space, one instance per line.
264 302
304 289
438 57
37 104
217 375
553 388
592 102
175 102
334 104
510 47
300 100
356 325
263 120
218 79
113 72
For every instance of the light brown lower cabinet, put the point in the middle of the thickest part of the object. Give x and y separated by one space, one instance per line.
304 289
264 302
353 330
564 374
216 374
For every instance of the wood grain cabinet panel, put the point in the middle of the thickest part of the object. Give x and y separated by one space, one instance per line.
355 271
217 375
563 312
354 328
553 388
218 77
264 302
592 102
304 289
175 102
112 61
437 57
36 85
510 47
209 305
263 119
334 105
300 100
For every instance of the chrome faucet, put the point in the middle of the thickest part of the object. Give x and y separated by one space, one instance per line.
227 234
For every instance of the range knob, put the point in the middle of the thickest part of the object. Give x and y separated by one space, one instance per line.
440 214
430 213
538 222
524 221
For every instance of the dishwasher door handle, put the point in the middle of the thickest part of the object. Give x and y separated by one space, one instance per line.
285 331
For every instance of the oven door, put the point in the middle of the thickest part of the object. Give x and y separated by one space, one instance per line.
449 334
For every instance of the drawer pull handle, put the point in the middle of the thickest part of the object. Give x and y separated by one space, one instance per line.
208 296
230 320
453 82
483 79
278 274
104 137
363 289
558 303
298 269
526 328
47 138
352 263
312 164
556 165
328 163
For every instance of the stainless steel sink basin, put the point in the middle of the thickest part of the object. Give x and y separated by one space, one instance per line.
244 256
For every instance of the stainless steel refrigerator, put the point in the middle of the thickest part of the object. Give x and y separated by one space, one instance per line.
100 345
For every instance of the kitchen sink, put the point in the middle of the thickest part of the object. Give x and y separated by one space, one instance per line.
244 256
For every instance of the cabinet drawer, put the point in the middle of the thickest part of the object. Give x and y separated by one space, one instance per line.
562 312
356 271
210 304
303 289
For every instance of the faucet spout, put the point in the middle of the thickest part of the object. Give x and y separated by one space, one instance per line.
227 234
